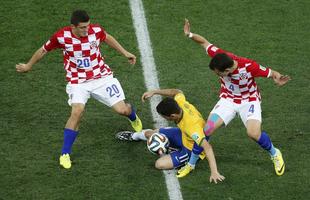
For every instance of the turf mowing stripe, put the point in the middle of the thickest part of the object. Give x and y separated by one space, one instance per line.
151 81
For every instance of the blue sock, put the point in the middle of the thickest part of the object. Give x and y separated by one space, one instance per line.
193 159
132 116
265 142
69 137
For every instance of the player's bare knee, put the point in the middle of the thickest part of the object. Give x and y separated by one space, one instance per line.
124 110
159 164
254 134
77 113
253 128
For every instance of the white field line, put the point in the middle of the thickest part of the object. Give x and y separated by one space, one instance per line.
151 81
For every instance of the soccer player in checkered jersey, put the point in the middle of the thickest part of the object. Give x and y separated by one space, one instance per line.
239 94
87 74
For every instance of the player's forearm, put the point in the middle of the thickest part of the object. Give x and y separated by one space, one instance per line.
200 40
212 163
112 42
210 156
38 55
167 92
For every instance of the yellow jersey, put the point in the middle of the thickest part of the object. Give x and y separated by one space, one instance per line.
191 124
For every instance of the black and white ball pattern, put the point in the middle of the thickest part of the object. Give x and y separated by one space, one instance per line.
158 142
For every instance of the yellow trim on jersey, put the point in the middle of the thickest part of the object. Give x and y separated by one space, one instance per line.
191 124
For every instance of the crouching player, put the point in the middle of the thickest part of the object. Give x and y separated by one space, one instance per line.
188 138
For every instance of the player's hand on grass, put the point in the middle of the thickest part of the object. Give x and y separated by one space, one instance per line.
131 58
280 79
147 95
186 27
215 177
283 80
21 67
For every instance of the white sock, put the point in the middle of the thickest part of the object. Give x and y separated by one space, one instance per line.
139 135
191 165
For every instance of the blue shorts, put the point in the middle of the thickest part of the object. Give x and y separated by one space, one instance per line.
180 154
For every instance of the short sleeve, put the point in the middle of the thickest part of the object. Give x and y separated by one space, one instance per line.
102 35
212 50
258 70
180 98
52 43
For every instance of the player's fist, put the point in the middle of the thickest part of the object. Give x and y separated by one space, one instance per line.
21 67
147 95
131 58
187 29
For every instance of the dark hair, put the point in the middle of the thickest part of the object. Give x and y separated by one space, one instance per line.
79 16
221 61
168 106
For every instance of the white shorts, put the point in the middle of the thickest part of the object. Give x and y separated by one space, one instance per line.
227 110
106 90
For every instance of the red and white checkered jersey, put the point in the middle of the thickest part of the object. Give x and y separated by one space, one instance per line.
82 57
240 85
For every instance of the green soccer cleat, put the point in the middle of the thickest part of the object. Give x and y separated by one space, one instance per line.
137 124
64 160
184 171
279 165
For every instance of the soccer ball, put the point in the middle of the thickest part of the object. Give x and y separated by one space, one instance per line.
157 142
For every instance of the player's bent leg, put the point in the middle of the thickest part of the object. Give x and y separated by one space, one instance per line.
76 115
184 171
253 128
263 139
64 160
190 166
122 108
164 162
214 122
278 162
124 136
126 110
135 136
70 134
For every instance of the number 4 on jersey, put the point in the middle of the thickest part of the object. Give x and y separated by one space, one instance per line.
251 108
231 87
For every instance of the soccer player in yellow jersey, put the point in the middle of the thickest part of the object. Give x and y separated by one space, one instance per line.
189 138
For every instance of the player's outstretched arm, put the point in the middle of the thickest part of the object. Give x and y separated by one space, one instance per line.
163 92
278 78
197 38
215 175
21 67
112 42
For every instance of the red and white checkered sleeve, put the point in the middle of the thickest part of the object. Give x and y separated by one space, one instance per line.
212 50
258 70
102 34
52 43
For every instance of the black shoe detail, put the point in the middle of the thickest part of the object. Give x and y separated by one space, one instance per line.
281 170
124 136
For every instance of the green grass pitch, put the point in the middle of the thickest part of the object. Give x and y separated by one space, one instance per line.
34 105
